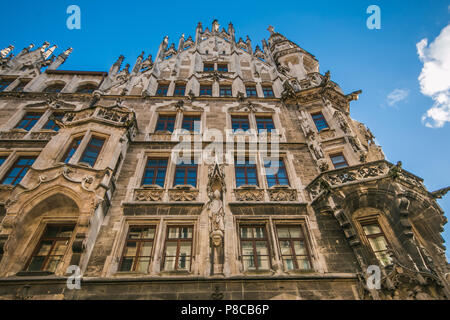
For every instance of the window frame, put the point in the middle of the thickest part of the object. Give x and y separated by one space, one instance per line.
337 154
166 121
294 256
178 240
266 238
55 239
155 171
225 88
260 117
277 179
208 69
375 221
57 115
267 88
179 87
164 88
235 119
252 89
191 122
90 145
139 242
246 166
221 65
29 121
186 172
206 87
14 165
320 119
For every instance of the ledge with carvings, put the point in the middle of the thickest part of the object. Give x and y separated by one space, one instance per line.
157 208
360 174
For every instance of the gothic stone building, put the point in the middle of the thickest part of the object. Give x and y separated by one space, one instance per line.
89 184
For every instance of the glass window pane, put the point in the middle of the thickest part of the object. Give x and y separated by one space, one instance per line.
171 249
285 247
127 264
371 229
142 264
261 248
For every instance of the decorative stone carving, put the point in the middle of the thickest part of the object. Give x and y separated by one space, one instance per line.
282 194
183 194
249 194
148 194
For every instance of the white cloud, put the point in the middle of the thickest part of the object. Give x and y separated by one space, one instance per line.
435 77
396 96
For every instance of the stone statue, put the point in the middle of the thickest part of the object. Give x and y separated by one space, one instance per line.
216 212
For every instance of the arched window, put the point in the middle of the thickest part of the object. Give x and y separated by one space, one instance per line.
86 88
57 87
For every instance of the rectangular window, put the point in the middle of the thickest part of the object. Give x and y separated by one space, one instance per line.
319 121
18 170
2 160
338 161
138 249
179 90
267 91
92 150
251 91
22 84
225 91
245 173
51 248
293 248
71 150
206 90
185 174
240 122
162 89
178 249
276 178
4 83
51 125
155 172
222 67
377 242
208 67
165 123
191 123
29 120
265 123
255 248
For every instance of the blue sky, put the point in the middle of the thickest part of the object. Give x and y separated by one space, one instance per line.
377 61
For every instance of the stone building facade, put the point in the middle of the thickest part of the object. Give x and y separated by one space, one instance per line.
90 181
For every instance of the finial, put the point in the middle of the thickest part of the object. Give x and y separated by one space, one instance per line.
271 30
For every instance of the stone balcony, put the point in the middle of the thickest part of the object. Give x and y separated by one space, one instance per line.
359 174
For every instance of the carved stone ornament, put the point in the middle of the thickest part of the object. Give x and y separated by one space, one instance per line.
279 194
148 194
249 194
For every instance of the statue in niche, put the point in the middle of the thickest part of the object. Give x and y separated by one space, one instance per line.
216 214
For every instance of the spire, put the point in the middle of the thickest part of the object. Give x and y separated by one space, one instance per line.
215 26
49 52
137 65
198 31
181 43
60 60
45 46
116 66
249 45
5 52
